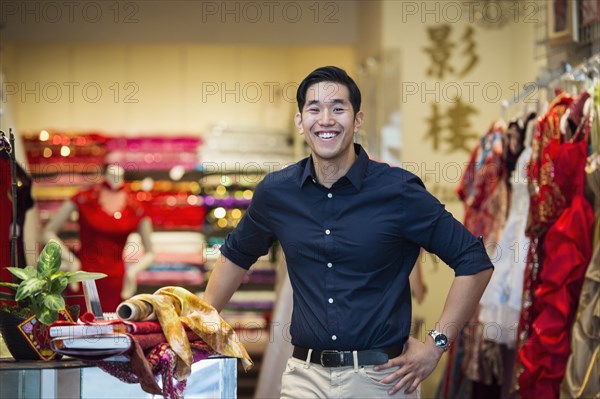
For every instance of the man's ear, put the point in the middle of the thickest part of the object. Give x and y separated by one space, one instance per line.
298 122
358 120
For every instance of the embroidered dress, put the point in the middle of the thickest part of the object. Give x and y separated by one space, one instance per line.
567 252
546 204
103 237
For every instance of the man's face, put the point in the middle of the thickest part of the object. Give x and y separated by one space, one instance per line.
328 122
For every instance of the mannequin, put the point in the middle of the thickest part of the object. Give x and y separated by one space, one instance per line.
107 215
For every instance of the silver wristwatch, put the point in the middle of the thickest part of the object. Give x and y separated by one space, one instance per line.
440 340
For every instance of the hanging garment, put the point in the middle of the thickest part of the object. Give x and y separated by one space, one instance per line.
483 189
566 255
582 374
501 301
103 237
546 204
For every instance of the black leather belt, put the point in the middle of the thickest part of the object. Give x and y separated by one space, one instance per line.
333 358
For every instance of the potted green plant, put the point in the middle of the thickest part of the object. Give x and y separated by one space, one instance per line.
38 296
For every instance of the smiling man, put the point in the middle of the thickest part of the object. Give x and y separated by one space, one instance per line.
351 230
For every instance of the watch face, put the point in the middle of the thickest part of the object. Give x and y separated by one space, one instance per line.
441 340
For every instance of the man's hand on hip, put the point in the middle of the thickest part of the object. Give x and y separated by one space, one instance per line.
415 364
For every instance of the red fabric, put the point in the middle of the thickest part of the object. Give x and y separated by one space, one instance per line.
103 238
24 202
150 340
483 187
134 327
567 253
547 202
5 221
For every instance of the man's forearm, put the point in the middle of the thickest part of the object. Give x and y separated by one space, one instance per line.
225 278
461 302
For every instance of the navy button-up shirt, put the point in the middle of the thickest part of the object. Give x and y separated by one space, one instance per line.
349 249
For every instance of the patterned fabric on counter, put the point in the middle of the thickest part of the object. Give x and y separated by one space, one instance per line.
161 360
174 306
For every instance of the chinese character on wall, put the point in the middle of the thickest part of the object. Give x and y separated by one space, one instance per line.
450 127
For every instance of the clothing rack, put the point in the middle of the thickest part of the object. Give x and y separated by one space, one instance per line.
580 73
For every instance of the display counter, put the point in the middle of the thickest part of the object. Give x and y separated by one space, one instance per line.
68 378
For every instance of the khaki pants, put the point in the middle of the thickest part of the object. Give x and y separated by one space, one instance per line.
302 379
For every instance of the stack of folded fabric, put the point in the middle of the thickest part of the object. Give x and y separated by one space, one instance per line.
153 152
106 339
160 334
179 260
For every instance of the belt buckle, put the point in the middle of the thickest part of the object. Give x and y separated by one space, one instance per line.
328 358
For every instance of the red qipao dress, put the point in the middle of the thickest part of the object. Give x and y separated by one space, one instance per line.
566 253
103 237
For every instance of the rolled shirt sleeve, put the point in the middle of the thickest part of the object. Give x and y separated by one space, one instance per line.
253 236
430 225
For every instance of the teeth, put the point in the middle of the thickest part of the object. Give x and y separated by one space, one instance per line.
326 135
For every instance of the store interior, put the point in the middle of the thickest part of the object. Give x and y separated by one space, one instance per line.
195 101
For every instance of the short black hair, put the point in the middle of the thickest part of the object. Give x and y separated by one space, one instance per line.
329 74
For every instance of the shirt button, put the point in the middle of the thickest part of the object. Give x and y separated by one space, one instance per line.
330 300
329 195
330 265
314 181
333 337
327 231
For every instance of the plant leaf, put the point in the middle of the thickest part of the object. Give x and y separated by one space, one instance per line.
11 286
54 302
29 287
23 274
50 259
84 276
58 283
47 316
7 296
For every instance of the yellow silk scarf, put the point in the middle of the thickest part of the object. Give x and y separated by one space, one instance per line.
174 306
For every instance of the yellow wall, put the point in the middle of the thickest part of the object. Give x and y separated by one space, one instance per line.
158 89
506 61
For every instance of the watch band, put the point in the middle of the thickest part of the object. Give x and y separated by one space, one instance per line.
439 339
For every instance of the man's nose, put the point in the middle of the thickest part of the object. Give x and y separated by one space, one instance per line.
326 118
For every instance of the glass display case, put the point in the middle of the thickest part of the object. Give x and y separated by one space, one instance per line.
210 378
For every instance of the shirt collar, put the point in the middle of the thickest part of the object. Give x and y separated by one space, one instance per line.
355 174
